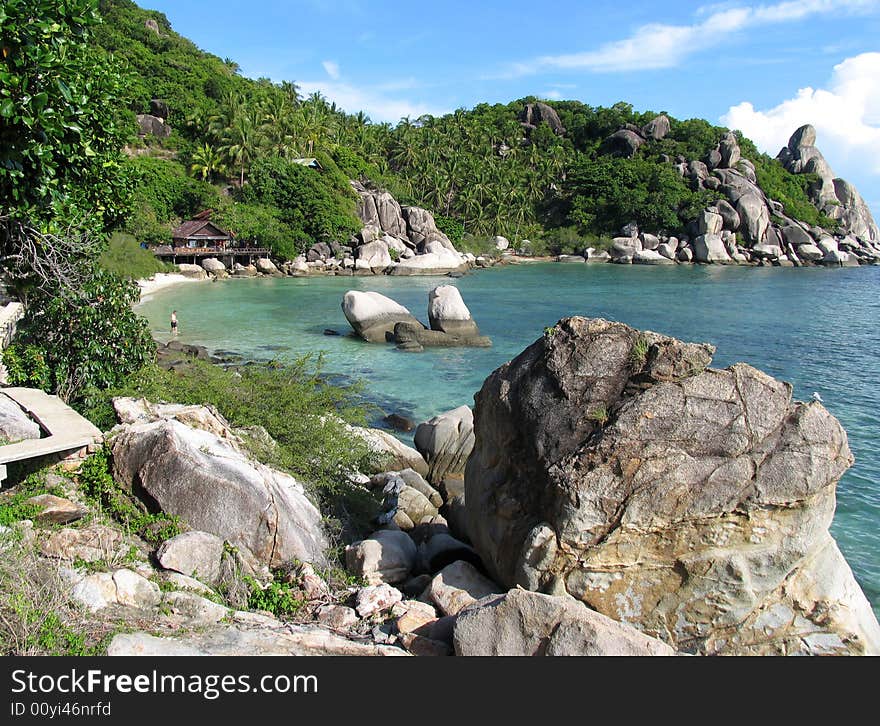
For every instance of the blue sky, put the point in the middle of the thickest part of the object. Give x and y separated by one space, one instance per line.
765 68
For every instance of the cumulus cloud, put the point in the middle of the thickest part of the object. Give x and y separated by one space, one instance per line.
374 101
846 116
661 45
332 69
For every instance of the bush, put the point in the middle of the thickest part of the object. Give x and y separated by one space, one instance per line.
125 258
26 366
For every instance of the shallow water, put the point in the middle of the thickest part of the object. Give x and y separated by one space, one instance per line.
816 328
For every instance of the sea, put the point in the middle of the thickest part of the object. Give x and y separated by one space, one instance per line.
816 328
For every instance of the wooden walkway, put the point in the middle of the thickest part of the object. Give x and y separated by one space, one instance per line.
67 431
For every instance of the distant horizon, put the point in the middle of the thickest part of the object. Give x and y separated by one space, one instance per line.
764 69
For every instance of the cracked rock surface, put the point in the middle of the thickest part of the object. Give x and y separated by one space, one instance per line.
615 466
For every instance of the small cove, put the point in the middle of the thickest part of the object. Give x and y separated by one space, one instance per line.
813 327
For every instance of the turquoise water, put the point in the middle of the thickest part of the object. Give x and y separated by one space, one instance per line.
814 327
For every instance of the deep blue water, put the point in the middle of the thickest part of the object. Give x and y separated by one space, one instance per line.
816 328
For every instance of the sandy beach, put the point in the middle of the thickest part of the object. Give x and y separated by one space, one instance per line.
160 281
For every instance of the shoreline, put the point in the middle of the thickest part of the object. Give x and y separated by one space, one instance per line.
160 281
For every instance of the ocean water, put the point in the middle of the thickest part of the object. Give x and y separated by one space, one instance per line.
816 328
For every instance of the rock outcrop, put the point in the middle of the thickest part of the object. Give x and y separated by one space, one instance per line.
15 424
689 502
835 197
534 114
187 462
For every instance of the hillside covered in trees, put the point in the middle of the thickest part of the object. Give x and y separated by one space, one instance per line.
221 141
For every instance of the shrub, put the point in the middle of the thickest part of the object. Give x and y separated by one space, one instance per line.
125 258
26 366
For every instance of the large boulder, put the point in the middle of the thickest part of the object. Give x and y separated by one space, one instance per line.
207 481
149 125
651 257
690 502
729 148
431 263
623 143
15 424
380 210
212 265
656 128
754 218
523 623
448 313
374 254
393 452
445 441
195 554
853 213
266 267
194 272
385 556
373 316
535 113
421 228
710 248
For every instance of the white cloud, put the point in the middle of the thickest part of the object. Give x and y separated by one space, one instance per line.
660 45
332 69
373 101
846 116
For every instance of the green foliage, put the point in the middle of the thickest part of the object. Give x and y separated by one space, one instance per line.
277 597
94 340
96 482
261 226
599 415
60 103
14 506
791 190
451 227
605 193
125 258
318 204
26 366
164 195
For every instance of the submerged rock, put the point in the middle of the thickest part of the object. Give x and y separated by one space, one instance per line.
690 502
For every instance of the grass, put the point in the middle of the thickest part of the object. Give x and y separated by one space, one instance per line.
638 354
13 504
37 616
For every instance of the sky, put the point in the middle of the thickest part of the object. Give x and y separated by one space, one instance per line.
764 68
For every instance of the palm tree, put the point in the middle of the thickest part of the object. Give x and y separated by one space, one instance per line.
207 161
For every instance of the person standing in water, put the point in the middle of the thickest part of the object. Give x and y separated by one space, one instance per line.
174 322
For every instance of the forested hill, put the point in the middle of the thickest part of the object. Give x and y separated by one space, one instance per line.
561 174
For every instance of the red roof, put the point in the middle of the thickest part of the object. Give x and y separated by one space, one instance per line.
200 229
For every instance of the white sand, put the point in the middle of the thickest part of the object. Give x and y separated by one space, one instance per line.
160 281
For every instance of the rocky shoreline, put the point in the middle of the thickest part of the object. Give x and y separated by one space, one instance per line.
610 493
